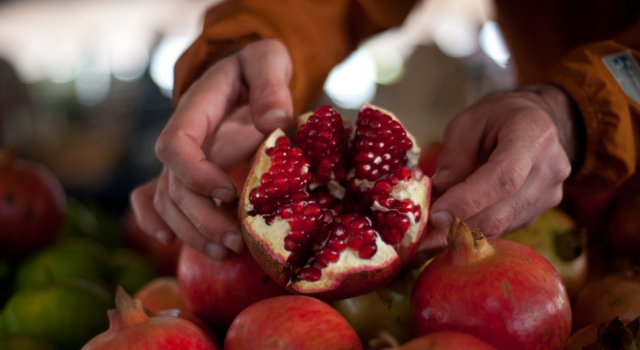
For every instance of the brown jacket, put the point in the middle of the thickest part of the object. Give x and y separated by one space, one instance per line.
562 42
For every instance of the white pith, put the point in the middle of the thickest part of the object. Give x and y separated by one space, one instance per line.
272 236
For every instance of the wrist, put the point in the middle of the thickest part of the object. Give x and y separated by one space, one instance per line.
566 116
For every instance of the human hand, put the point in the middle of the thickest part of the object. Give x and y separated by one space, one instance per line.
219 122
503 162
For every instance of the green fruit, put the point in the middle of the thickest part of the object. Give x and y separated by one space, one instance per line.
130 269
68 313
77 257
386 309
92 221
23 342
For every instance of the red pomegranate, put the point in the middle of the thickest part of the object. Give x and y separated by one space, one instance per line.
618 334
218 290
291 322
336 213
132 328
431 341
32 205
162 297
502 292
616 295
164 257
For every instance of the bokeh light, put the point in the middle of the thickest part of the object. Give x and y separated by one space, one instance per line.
353 81
493 44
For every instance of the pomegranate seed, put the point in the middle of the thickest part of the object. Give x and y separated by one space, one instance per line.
368 251
405 206
310 274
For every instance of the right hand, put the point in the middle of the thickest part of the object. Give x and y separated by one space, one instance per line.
219 122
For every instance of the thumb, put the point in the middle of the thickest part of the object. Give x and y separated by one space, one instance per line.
267 68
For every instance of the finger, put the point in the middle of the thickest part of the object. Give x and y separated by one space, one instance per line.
179 223
204 215
236 140
267 69
148 219
517 145
461 142
198 116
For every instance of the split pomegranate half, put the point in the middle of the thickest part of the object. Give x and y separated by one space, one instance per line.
336 212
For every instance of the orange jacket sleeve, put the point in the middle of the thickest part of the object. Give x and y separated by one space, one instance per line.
603 78
317 33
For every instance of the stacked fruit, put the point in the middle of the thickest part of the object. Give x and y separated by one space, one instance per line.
332 217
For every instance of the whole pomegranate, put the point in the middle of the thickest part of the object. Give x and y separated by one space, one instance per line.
617 335
385 309
431 341
556 236
32 205
218 290
502 292
336 212
162 297
615 295
132 328
291 322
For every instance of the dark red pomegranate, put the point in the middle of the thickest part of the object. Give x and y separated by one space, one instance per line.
616 295
502 292
32 205
429 158
218 290
616 335
132 328
432 341
336 212
623 227
291 322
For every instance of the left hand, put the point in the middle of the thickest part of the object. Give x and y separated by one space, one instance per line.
503 162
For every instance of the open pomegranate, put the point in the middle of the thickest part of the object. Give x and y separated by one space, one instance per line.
616 335
132 328
432 341
336 212
500 291
32 205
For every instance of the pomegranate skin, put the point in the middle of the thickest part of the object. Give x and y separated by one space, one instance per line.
291 322
603 299
32 205
217 291
446 341
502 292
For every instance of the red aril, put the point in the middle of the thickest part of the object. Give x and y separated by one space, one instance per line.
291 322
32 205
432 341
132 328
162 297
616 295
217 291
336 212
502 292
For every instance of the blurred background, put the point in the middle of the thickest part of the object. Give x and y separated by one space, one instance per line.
85 85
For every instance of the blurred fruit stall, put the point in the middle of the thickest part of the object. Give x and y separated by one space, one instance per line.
85 91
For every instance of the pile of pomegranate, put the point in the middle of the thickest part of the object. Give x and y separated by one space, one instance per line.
336 211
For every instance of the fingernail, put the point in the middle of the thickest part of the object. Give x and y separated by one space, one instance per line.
273 119
233 241
223 195
440 173
216 251
440 219
163 237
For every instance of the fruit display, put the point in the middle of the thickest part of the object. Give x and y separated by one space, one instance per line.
32 205
500 291
291 322
131 328
336 212
332 214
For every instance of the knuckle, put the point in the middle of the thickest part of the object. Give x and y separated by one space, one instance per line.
470 205
162 148
556 197
510 178
496 224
